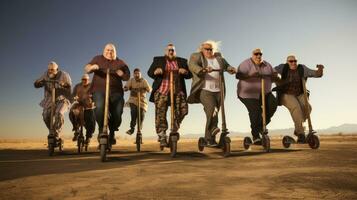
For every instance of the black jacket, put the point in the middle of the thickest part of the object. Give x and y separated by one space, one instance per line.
160 62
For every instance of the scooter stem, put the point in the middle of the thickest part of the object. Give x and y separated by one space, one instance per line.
106 104
263 104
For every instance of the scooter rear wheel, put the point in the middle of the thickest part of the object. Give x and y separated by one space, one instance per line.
286 141
201 143
314 142
247 142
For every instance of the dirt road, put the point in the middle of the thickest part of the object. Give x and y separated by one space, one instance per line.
296 173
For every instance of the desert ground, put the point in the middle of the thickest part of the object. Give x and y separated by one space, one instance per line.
27 172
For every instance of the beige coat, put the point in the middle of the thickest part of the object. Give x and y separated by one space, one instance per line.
143 86
196 63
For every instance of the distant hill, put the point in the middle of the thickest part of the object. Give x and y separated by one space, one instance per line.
344 129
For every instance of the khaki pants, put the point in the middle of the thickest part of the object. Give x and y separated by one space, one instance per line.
296 107
61 108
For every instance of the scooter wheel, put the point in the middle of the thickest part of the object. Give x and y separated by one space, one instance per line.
173 145
80 144
60 146
286 141
103 152
138 143
201 143
227 147
314 142
247 142
51 149
266 142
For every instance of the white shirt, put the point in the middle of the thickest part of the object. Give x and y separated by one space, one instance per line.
212 79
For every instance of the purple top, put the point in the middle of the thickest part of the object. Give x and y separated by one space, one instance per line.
251 87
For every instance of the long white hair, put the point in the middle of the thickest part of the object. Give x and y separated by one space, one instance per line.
214 44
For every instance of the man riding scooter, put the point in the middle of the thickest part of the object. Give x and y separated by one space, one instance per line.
62 85
82 103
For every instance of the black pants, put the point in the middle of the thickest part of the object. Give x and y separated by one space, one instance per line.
255 112
134 116
116 104
89 121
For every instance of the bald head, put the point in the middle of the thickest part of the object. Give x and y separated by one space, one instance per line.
110 52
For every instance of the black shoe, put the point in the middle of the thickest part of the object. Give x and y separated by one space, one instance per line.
75 136
301 139
130 131
163 142
112 139
87 141
257 141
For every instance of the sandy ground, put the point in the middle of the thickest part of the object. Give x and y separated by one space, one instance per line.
27 172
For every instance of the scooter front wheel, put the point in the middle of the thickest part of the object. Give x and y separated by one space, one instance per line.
173 145
227 147
314 142
51 149
138 143
103 152
266 142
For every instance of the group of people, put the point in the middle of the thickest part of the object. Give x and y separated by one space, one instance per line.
205 67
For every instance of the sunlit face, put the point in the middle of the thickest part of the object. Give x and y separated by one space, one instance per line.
52 70
137 75
85 81
257 56
109 52
170 51
292 62
207 50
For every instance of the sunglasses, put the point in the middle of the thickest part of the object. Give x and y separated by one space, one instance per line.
208 49
171 50
258 54
292 61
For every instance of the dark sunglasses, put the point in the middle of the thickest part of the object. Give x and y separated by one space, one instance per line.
172 50
292 61
258 54
208 49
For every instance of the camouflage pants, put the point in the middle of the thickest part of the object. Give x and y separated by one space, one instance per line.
162 103
61 108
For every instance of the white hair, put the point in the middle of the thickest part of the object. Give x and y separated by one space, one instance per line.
214 44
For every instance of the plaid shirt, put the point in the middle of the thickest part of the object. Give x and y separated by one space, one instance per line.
165 84
294 86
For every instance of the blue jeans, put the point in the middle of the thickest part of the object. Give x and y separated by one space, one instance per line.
116 104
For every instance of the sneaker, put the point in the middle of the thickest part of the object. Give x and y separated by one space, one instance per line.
301 138
257 141
162 138
112 139
130 131
87 141
215 131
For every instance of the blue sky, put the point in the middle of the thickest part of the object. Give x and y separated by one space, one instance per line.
72 32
